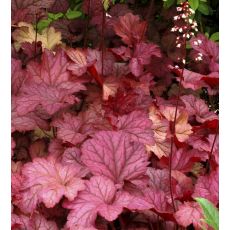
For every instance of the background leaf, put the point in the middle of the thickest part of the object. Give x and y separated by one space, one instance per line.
204 8
194 4
215 37
168 3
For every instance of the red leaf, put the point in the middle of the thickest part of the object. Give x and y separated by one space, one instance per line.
130 29
142 56
112 155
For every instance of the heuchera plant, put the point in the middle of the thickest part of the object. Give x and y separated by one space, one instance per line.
114 115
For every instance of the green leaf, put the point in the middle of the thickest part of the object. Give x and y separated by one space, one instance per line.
215 37
180 1
168 3
194 4
211 213
55 17
204 8
72 14
42 24
206 34
106 4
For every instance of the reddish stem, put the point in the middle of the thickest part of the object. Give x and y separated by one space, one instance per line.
174 125
102 42
87 25
211 152
36 34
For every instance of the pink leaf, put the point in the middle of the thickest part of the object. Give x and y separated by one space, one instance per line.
100 197
78 56
112 154
192 80
69 129
94 57
51 98
159 179
50 85
189 213
138 125
19 76
208 187
48 181
39 222
183 160
25 122
21 221
199 108
209 49
158 199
